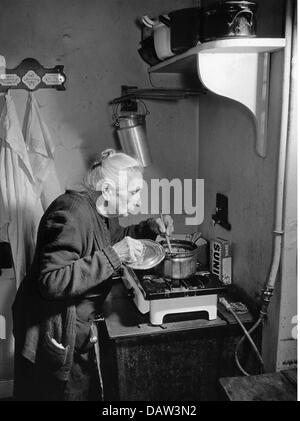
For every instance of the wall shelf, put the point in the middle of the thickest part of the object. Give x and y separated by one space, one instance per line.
235 68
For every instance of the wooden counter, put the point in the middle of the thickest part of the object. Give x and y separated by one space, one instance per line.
182 360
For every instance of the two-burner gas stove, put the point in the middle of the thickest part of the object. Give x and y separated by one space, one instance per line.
160 296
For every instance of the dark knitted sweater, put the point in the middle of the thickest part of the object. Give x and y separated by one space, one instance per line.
74 259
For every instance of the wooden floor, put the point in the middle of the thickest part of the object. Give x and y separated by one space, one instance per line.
281 386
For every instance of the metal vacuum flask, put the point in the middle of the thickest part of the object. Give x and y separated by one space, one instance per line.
132 134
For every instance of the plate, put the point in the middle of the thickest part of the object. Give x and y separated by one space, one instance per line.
153 255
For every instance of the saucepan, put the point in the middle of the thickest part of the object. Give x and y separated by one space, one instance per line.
181 263
229 19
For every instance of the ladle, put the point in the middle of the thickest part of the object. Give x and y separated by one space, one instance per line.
166 235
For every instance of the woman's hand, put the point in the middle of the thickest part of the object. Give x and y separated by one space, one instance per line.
165 224
129 250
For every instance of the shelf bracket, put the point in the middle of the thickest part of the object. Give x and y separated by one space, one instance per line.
238 69
243 78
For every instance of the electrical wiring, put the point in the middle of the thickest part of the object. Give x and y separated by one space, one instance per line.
229 308
249 332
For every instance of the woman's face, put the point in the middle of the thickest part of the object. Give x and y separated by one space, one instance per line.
125 198
128 195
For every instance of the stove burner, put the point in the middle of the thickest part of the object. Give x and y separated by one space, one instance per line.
157 286
196 281
153 284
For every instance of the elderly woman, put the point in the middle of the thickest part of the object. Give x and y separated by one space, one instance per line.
80 245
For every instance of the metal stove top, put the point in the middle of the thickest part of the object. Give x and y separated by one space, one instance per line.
156 287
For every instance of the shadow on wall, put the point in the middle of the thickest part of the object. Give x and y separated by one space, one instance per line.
89 141
86 155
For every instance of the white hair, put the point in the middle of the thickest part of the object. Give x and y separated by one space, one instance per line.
109 166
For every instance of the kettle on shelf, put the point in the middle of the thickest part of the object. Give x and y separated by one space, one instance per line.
161 35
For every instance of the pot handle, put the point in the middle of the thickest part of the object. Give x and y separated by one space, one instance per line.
165 19
147 21
246 11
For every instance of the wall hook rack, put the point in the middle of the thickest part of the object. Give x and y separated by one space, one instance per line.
31 76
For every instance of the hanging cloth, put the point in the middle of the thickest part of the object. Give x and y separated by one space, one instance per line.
20 208
41 154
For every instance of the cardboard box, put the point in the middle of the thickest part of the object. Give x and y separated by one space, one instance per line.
221 260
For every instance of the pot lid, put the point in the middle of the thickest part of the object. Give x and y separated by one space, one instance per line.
154 253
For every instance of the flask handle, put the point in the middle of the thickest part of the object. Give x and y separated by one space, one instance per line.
116 116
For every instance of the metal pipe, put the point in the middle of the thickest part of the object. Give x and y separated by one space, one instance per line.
278 230
281 165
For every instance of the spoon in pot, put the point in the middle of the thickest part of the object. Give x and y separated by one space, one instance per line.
166 235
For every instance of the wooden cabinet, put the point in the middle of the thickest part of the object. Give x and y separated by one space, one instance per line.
181 361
